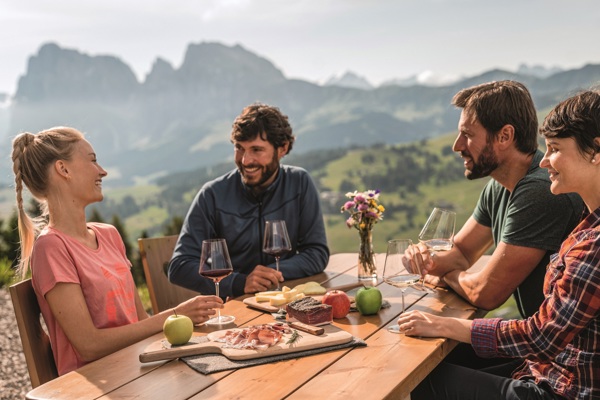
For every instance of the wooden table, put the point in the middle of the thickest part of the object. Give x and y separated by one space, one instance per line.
390 366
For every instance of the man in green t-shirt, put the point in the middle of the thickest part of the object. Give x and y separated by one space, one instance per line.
516 211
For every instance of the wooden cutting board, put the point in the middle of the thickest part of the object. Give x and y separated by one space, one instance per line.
265 306
332 336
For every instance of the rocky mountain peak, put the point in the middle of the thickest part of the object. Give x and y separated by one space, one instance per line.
59 74
215 61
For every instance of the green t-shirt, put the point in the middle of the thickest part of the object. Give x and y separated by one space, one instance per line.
530 216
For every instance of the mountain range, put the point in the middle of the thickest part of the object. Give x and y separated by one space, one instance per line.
180 118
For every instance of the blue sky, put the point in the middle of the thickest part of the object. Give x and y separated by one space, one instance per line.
312 40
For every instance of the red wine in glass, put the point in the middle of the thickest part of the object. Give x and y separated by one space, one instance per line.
216 274
276 241
277 252
215 264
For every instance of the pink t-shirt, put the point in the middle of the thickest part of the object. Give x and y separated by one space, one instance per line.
103 274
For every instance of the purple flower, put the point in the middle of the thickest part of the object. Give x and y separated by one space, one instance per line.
359 199
348 205
363 207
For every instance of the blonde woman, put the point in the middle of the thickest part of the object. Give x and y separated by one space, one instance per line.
79 270
560 343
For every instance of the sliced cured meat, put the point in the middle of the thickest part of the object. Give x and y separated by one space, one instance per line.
257 337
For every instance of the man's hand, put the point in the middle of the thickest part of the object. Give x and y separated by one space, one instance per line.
262 278
417 259
439 264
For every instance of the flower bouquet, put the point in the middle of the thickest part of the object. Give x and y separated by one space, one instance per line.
365 211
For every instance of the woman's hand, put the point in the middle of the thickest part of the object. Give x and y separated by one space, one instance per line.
417 323
200 308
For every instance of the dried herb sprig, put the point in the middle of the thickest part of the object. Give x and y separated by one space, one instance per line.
295 336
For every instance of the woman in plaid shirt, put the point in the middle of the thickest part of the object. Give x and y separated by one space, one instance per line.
561 342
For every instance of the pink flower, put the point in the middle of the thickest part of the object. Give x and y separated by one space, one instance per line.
350 222
348 205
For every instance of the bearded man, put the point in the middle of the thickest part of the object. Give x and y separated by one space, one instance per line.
236 205
516 212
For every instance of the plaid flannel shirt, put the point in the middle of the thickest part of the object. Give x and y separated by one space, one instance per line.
561 341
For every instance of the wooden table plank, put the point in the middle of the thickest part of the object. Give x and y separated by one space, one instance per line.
174 377
94 379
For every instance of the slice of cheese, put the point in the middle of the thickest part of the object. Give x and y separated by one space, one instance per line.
313 287
266 296
282 299
278 300
300 287
310 288
290 294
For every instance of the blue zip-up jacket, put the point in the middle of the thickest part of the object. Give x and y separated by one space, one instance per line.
226 208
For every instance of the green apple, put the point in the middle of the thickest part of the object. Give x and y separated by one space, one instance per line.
368 300
178 329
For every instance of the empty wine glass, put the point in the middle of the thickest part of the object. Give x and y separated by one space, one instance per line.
276 241
437 234
215 264
394 271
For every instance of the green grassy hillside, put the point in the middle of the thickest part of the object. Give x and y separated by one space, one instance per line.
406 208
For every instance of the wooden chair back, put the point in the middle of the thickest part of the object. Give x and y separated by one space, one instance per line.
156 254
36 343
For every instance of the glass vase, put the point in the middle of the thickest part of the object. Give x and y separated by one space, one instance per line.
367 268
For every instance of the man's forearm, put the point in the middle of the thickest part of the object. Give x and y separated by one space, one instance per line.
448 261
469 286
453 280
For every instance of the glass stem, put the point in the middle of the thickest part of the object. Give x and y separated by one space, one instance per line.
277 266
402 291
217 293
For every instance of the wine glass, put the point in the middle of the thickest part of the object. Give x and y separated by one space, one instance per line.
276 241
437 233
394 271
215 264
